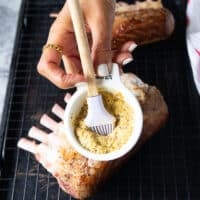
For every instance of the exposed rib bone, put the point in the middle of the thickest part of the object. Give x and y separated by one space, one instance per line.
43 153
27 145
38 134
53 15
58 111
51 139
48 122
67 97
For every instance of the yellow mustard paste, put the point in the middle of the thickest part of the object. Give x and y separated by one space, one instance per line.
116 105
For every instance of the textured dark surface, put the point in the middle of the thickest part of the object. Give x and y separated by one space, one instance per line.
167 167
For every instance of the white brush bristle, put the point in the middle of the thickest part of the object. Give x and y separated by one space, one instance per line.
98 118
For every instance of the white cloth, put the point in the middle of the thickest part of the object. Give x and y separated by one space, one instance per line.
193 38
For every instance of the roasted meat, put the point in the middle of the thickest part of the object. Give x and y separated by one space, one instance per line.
142 22
77 175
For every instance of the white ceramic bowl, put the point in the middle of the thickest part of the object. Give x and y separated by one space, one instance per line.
76 102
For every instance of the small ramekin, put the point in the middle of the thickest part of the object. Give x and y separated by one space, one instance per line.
76 102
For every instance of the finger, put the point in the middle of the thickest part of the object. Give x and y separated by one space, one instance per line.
48 66
101 46
104 62
72 64
64 26
123 58
129 46
101 31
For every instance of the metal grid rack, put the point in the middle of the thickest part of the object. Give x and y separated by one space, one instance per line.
167 167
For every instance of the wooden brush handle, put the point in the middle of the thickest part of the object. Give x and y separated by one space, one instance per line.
83 45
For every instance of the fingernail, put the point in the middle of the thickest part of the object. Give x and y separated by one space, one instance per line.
126 61
132 47
102 70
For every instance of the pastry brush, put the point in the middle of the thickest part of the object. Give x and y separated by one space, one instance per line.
98 119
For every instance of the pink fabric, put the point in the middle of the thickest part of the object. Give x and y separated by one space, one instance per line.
193 38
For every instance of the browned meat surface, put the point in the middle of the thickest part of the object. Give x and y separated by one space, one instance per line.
142 22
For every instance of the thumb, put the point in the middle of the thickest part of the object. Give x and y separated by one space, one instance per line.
101 45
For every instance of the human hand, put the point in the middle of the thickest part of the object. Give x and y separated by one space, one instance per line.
61 35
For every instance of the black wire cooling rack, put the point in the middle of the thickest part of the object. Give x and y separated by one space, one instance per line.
166 168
